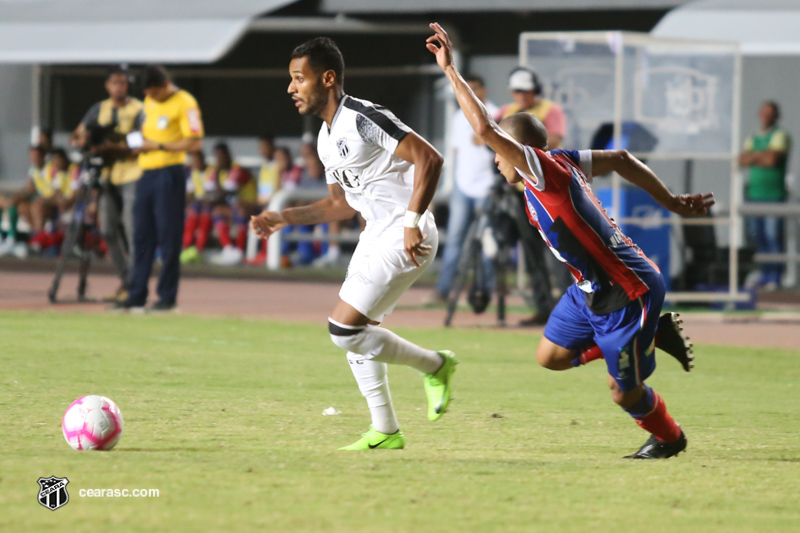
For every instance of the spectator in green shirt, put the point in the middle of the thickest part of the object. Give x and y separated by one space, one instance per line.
766 155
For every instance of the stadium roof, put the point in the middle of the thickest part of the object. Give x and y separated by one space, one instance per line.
430 6
766 27
140 31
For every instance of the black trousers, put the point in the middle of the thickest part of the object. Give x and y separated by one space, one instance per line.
535 251
158 217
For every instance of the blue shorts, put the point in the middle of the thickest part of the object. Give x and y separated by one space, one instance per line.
626 337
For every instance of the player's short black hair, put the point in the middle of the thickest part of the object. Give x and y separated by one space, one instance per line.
154 76
267 137
58 151
36 148
776 108
475 79
323 55
526 129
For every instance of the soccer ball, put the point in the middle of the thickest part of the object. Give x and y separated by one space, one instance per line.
92 423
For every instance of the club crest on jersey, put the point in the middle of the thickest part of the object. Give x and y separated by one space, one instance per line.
532 211
341 145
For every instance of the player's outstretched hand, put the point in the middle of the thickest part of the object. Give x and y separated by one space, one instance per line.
693 205
267 223
439 44
413 245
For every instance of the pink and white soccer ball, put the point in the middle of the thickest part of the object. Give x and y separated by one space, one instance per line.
92 423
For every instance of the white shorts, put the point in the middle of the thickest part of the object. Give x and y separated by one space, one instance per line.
378 277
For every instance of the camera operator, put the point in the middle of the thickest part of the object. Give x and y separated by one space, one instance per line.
527 92
111 120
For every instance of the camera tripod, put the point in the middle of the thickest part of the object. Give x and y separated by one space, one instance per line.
82 222
490 224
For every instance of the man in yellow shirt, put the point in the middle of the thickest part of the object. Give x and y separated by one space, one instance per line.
172 126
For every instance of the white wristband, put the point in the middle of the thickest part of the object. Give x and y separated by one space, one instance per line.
412 219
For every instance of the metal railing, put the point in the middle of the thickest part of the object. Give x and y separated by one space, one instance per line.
281 200
790 212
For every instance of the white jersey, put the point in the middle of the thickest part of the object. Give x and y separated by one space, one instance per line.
358 154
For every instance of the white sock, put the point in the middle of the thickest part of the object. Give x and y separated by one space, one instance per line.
380 344
374 386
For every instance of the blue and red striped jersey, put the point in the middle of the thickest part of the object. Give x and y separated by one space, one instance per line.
607 266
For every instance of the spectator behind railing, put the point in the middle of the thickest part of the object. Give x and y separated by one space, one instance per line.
239 201
37 199
269 175
288 171
474 176
202 191
65 181
766 154
312 176
269 183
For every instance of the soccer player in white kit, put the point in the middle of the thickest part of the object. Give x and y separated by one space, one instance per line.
378 166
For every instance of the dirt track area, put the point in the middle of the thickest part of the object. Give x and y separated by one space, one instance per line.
311 302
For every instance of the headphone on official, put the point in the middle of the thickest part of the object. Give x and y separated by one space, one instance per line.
537 84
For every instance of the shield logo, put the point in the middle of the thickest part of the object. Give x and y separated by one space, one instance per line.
53 492
341 144
163 122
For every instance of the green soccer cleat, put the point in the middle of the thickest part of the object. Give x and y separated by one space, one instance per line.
438 386
190 255
375 440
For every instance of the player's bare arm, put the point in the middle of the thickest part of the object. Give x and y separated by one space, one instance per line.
479 118
427 169
639 174
330 209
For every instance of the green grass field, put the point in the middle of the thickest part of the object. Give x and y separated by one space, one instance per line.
224 418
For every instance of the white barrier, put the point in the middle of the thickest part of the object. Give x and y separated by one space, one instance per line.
790 212
283 199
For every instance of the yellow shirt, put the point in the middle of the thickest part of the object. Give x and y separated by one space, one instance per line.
269 181
66 181
125 117
43 180
175 119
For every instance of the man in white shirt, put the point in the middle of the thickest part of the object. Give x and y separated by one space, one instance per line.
378 166
474 175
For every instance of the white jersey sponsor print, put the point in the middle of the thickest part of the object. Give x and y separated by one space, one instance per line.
358 154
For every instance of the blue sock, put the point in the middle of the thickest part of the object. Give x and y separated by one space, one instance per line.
645 404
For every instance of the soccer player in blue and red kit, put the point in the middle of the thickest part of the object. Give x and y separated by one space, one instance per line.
613 308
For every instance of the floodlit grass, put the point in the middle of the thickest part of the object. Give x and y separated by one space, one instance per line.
223 417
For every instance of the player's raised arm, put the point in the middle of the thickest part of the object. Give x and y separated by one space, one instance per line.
636 172
479 118
330 209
